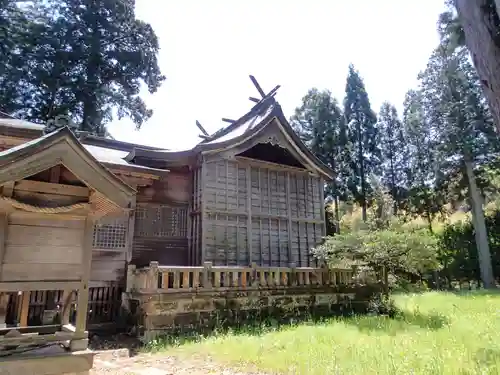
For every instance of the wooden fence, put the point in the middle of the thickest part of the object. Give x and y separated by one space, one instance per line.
104 306
170 279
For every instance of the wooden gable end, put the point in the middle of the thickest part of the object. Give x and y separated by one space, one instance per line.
62 148
269 144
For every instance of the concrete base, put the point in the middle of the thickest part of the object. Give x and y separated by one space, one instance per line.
48 361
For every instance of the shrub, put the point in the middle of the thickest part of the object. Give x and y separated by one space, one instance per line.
458 251
403 253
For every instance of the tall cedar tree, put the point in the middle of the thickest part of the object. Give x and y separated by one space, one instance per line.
363 134
423 197
86 59
14 25
394 156
464 132
319 122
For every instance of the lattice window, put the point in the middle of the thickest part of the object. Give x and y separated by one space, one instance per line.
161 221
110 234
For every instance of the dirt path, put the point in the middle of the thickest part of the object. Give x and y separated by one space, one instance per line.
144 364
119 356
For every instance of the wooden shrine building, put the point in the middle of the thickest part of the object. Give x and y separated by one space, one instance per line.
250 193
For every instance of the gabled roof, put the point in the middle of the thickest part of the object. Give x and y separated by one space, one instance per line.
247 127
62 147
108 151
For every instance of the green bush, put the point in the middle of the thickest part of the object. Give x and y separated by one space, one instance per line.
458 252
404 253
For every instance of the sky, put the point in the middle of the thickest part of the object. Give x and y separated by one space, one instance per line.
209 48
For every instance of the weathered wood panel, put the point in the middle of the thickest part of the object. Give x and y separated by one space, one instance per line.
160 234
109 251
278 209
166 250
172 188
42 249
36 272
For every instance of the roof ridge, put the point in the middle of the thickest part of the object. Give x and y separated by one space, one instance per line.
258 108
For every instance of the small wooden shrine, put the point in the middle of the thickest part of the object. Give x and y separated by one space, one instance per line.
46 234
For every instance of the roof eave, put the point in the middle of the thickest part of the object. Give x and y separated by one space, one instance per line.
56 139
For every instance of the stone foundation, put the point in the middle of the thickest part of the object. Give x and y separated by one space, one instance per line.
157 314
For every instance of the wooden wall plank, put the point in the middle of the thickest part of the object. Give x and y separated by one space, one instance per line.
249 213
42 254
39 271
29 219
35 236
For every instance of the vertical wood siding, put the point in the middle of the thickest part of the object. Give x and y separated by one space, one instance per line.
260 214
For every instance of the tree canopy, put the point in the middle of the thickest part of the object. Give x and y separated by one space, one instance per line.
83 59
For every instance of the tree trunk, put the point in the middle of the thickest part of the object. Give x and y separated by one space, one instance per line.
480 24
497 6
481 235
429 223
337 214
91 120
362 171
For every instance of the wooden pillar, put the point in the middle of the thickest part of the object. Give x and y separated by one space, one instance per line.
131 229
189 233
203 220
4 302
67 300
80 341
322 204
289 214
249 213
24 309
4 297
4 224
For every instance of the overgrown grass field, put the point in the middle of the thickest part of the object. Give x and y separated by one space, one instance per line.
434 333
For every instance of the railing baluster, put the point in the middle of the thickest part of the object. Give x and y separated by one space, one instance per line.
196 279
217 277
178 278
164 279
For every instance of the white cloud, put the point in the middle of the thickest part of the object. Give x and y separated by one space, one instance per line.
208 48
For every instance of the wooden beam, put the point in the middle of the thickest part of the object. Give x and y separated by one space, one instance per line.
202 129
273 91
8 189
255 100
52 188
257 86
228 120
26 286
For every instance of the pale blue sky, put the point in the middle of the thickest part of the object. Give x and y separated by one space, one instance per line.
208 49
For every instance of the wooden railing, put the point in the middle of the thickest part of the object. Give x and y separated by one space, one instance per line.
166 279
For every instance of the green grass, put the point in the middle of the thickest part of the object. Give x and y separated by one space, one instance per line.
436 333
